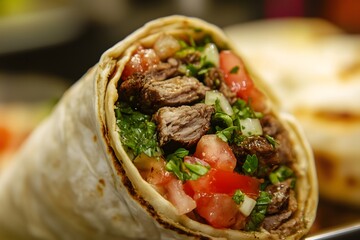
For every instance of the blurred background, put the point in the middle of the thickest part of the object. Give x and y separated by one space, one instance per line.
65 37
47 45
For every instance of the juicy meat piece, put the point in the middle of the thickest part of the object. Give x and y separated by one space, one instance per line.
214 79
280 196
130 88
183 126
268 155
164 70
272 127
191 58
289 227
258 145
173 92
292 204
283 205
274 221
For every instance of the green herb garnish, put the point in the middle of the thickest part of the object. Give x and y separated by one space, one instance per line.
234 70
184 171
250 165
137 131
258 213
271 140
243 110
238 196
281 174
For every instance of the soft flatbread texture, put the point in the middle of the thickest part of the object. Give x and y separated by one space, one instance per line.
73 180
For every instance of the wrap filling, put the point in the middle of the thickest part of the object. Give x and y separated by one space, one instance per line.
202 134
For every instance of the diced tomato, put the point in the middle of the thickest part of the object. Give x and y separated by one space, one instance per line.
236 75
177 196
141 61
220 181
218 209
215 152
238 79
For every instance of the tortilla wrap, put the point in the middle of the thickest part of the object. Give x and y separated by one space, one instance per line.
73 179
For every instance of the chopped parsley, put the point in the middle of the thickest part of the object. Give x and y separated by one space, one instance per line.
258 213
250 165
238 196
234 70
137 131
271 140
227 127
200 66
281 174
244 110
183 170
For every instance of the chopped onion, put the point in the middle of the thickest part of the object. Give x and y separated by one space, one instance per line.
247 206
211 96
166 46
211 54
251 127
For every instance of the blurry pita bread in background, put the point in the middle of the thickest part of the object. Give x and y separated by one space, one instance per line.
315 68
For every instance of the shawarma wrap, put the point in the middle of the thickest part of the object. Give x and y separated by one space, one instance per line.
167 137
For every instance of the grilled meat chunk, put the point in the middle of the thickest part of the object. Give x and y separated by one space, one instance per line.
272 127
182 126
280 196
173 92
283 205
274 221
214 79
130 88
258 145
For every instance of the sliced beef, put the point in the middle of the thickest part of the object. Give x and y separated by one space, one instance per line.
173 92
289 227
292 204
273 222
280 196
164 70
214 79
190 58
283 205
130 88
182 126
258 145
273 127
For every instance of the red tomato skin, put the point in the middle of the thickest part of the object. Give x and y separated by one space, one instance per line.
140 61
220 181
215 152
218 209
239 82
229 182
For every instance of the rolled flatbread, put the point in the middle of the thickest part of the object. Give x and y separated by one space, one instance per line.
80 176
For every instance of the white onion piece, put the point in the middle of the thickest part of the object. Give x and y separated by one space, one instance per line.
251 127
211 54
166 46
211 96
247 206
